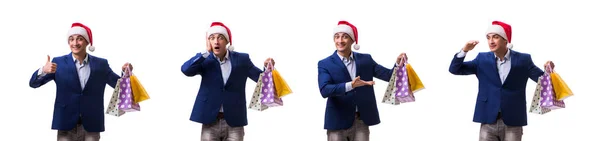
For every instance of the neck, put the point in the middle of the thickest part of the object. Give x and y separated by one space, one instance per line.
345 53
500 53
222 56
80 56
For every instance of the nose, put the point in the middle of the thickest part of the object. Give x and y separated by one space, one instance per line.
491 41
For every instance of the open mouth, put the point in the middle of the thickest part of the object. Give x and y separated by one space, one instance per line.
217 48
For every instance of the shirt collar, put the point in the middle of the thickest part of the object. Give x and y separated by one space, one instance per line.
506 56
344 58
85 60
224 59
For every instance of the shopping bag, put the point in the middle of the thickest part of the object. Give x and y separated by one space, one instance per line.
389 96
549 99
399 87
403 92
413 79
255 102
269 98
139 93
561 90
281 87
126 102
113 108
535 107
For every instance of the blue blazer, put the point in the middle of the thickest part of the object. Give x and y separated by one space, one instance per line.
213 93
493 96
341 105
73 101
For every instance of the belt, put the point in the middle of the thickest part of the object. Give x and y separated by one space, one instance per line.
220 115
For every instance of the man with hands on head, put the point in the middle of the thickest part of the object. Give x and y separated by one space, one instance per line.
80 81
220 104
502 74
346 80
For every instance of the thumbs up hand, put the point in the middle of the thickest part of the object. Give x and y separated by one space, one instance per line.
49 67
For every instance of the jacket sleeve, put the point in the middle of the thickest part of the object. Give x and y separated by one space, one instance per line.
534 71
381 72
326 86
459 67
193 66
39 78
111 77
253 71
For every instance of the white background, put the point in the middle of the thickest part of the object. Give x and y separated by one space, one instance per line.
157 37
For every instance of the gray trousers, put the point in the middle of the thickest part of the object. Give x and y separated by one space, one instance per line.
358 132
77 134
221 131
500 132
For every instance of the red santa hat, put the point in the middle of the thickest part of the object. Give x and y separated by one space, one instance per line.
86 32
348 28
502 29
218 27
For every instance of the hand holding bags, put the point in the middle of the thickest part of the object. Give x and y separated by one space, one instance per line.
269 89
549 99
127 95
403 84
546 98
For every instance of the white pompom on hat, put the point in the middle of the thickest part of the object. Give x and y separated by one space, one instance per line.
502 29
348 28
220 28
83 30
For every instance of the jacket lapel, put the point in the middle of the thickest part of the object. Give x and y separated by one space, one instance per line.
217 66
496 75
513 63
358 63
73 70
338 62
93 66
233 59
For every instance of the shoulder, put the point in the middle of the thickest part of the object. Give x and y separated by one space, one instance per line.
521 53
325 61
98 59
240 54
363 56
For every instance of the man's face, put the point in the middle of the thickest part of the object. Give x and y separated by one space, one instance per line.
496 42
77 44
342 41
218 43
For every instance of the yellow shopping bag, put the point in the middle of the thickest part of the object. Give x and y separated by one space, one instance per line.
413 79
561 90
281 87
139 93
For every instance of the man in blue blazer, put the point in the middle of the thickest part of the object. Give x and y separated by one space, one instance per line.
80 81
502 74
221 101
346 80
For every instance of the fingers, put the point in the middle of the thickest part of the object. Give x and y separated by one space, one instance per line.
53 68
48 58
